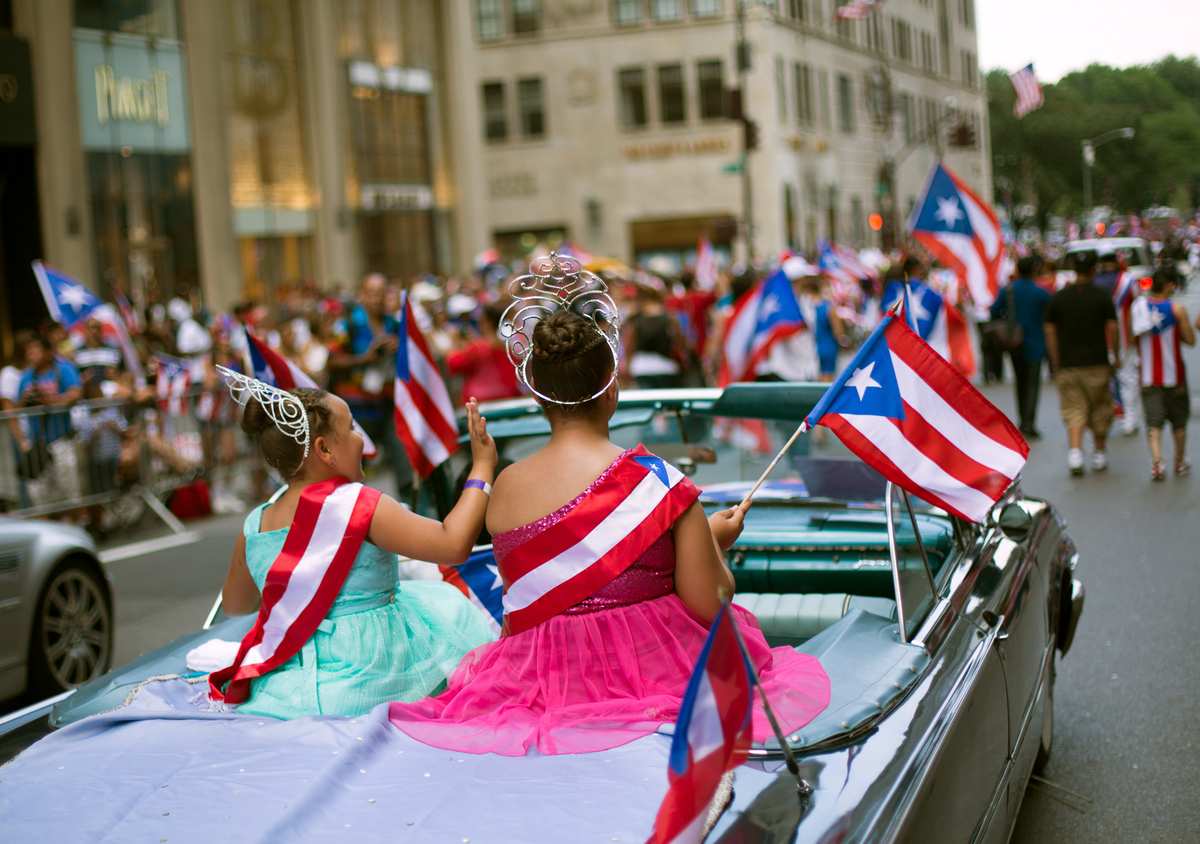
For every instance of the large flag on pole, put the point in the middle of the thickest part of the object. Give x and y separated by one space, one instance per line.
1029 91
952 222
424 416
760 319
272 368
857 10
70 303
909 414
712 734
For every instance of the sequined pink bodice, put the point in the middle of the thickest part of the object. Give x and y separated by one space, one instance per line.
650 576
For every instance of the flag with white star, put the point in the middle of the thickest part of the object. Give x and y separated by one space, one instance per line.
767 314
961 230
479 579
908 413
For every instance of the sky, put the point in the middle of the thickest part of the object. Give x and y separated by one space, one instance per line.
1060 36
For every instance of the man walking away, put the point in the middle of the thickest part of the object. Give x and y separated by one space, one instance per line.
1080 328
1028 302
1161 327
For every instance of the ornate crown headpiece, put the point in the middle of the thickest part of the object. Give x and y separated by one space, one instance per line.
285 410
555 283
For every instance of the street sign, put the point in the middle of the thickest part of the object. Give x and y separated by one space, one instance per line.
732 168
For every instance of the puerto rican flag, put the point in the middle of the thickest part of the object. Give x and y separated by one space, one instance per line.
915 419
761 318
1158 347
712 733
961 230
424 416
706 265
272 368
331 523
479 580
70 303
634 505
129 314
171 385
935 319
1124 292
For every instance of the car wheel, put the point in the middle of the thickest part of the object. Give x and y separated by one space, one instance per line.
72 630
1046 741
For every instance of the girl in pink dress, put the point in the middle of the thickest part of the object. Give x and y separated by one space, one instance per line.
612 573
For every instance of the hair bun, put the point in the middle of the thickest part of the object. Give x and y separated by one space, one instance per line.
563 335
254 417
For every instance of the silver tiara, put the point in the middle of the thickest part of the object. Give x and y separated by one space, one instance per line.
557 282
285 410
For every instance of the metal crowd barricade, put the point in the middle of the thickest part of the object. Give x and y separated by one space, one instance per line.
117 458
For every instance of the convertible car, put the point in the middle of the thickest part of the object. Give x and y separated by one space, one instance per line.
940 638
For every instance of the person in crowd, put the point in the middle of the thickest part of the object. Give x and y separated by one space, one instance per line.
99 431
653 340
1080 330
1108 270
693 309
191 338
1162 331
483 364
1025 303
597 664
829 332
96 358
380 639
50 383
217 412
60 340
362 372
10 400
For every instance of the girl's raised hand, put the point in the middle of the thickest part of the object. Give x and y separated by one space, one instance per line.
483 447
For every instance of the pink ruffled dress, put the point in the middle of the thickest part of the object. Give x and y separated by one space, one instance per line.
610 669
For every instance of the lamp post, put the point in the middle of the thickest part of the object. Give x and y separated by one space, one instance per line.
1089 158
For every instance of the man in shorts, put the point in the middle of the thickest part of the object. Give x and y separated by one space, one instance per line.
1162 329
1080 330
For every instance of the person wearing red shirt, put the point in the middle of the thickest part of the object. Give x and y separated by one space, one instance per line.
487 373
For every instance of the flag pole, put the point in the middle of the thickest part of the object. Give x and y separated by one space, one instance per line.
802 785
803 427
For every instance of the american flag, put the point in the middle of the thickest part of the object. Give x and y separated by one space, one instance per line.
424 416
912 417
1029 91
857 10
761 318
712 733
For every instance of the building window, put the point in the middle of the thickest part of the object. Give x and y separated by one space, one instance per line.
711 82
797 10
910 121
631 82
966 13
671 94
780 89
846 104
706 8
902 41
526 16
875 38
495 112
806 112
627 12
823 93
489 19
531 107
968 67
666 10
856 220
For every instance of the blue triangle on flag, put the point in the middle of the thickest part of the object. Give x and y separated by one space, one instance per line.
941 210
655 465
402 349
867 386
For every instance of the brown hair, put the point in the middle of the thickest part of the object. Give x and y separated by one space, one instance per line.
280 451
570 359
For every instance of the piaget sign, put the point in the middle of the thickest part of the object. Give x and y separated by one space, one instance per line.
132 95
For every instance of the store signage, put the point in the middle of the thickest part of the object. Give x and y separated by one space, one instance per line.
388 197
672 148
132 93
412 80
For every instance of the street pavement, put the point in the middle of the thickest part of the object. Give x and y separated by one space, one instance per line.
1126 747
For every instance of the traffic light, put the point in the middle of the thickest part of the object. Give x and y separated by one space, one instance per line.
750 137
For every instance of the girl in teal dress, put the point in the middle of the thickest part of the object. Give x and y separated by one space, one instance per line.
382 640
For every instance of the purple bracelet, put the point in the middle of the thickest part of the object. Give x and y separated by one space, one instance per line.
475 483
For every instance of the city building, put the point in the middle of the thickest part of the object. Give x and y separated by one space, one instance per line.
607 122
220 150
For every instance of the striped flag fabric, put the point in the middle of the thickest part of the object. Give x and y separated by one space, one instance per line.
910 415
424 416
1124 292
479 580
1029 91
712 733
171 385
961 230
857 10
706 265
764 316
272 368
936 320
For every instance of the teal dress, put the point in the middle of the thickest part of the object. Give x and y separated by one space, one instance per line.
382 640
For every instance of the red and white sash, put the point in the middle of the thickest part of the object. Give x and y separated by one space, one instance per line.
599 538
327 532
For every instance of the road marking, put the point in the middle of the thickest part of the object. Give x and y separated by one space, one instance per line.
149 546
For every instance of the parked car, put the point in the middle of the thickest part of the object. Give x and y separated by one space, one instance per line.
56 618
940 638
1134 252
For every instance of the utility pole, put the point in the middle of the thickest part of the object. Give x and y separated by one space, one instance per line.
749 134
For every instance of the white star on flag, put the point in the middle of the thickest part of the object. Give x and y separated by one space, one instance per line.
862 381
948 211
499 581
74 296
1157 317
916 301
770 305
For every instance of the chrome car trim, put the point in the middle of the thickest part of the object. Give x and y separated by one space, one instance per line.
891 534
1077 596
23 716
1001 791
